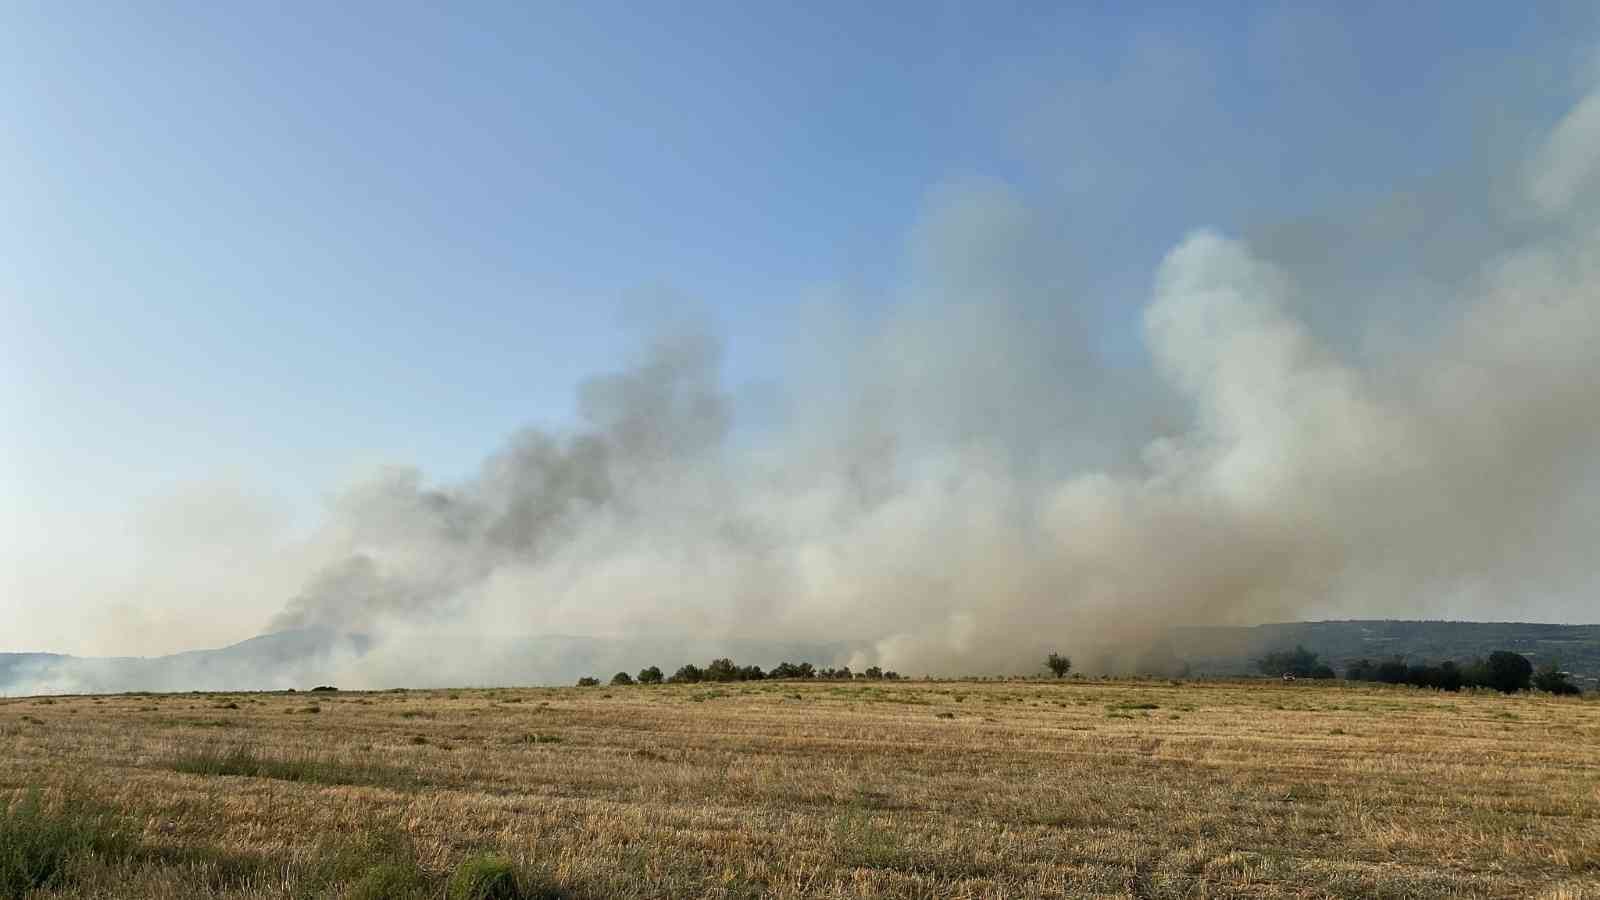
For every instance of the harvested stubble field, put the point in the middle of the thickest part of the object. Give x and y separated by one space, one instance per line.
1078 788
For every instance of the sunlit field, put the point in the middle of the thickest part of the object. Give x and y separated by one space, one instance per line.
1075 788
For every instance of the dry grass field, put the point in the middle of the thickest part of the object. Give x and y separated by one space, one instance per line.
1079 788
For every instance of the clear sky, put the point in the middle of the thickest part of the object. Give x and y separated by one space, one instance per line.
272 243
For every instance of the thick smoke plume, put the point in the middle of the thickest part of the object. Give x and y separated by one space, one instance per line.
968 480
1392 412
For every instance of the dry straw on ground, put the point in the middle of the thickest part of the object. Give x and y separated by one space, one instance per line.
1077 788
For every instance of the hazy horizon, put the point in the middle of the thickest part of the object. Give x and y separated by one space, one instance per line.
926 331
820 654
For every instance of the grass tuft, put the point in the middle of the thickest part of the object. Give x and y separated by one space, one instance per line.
247 761
40 844
390 881
489 877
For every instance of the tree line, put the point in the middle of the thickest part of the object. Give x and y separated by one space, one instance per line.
1502 670
726 670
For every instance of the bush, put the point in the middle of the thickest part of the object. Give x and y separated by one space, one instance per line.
1552 680
621 679
751 673
873 673
485 878
588 681
1058 665
324 688
650 675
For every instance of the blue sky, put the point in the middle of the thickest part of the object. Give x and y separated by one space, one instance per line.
275 242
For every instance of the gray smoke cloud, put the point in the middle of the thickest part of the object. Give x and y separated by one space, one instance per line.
972 478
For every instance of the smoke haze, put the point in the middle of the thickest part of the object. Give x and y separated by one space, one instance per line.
1381 412
969 479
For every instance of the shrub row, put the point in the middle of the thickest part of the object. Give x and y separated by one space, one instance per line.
1502 670
726 670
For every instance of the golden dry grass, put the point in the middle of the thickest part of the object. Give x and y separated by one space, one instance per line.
1078 788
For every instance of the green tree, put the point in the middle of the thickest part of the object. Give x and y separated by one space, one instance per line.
621 679
722 670
650 675
1509 672
688 674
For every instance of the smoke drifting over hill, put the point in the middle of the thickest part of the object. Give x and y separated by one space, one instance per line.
969 479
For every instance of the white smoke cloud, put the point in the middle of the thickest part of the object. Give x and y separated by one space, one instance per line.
1566 169
972 478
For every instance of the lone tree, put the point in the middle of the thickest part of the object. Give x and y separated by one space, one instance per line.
650 675
622 679
1509 672
588 681
1058 664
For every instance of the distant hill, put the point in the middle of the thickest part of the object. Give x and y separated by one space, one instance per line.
271 661
305 658
1228 651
